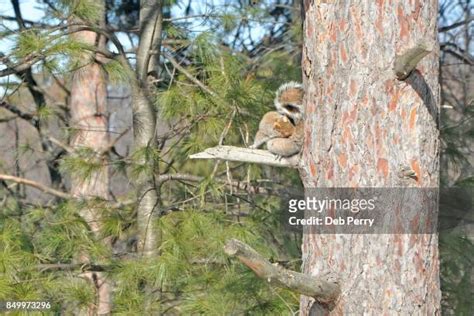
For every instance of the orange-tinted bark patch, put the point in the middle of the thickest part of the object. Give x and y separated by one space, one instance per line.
378 22
342 160
382 167
415 166
342 25
312 169
396 139
353 88
403 22
330 173
333 34
346 135
392 106
343 53
412 118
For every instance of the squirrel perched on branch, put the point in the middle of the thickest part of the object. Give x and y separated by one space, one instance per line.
283 130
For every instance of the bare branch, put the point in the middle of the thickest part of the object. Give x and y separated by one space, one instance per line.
258 156
175 63
464 58
111 145
60 144
26 116
406 62
455 25
325 289
19 67
36 185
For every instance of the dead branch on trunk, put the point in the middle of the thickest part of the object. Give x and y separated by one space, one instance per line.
406 62
325 289
248 155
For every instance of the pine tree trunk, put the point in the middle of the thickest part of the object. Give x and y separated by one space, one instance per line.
362 126
88 108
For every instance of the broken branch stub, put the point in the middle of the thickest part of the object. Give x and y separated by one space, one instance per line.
325 288
406 62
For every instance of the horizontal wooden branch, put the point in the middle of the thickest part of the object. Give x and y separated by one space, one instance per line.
25 64
23 115
455 25
57 193
324 289
248 155
406 62
36 185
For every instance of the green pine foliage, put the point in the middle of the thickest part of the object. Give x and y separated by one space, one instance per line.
191 274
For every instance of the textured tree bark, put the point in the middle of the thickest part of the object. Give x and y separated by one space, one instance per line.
144 121
144 131
363 126
88 105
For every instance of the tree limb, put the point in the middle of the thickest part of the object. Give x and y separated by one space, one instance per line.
26 116
455 25
248 155
406 62
36 185
112 144
188 75
21 66
325 289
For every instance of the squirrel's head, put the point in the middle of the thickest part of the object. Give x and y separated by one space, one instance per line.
289 101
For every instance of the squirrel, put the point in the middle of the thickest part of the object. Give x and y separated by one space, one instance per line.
283 130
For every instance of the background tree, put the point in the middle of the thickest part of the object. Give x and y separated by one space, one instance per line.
456 241
199 78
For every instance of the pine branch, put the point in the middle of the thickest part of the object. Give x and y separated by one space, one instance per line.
258 156
325 289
